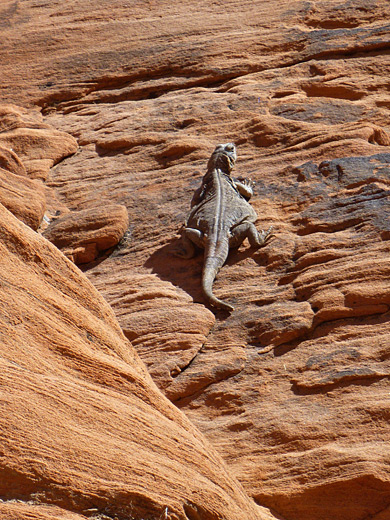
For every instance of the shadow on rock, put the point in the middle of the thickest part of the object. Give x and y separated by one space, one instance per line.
184 273
187 273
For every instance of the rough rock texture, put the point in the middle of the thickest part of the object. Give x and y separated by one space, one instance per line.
28 149
82 235
83 427
292 388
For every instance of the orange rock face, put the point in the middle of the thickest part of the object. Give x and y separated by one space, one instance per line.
83 426
28 149
291 389
82 235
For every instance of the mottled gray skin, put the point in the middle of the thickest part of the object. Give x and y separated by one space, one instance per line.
220 218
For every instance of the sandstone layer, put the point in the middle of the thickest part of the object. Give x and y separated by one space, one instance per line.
292 387
84 431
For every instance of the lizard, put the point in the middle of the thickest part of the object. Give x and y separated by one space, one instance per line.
220 218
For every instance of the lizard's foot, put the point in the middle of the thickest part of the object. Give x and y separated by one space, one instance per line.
190 239
248 230
185 248
247 182
264 236
245 187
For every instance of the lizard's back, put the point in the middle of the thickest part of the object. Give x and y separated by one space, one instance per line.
221 208
220 218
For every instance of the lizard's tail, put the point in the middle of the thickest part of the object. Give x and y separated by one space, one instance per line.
211 267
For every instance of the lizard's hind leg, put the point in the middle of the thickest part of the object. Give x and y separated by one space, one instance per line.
248 230
189 239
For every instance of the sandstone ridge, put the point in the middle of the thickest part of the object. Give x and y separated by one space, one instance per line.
103 141
84 431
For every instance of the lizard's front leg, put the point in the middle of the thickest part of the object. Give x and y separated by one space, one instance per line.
190 238
248 230
244 187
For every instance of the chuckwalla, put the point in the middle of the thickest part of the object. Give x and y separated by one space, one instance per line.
221 218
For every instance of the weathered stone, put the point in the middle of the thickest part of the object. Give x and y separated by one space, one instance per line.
292 388
83 427
38 145
20 510
152 313
82 235
28 148
25 198
279 323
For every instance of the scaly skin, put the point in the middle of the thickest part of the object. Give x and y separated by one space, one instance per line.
220 218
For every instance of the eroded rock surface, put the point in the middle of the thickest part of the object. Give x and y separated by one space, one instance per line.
28 149
83 427
292 387
83 235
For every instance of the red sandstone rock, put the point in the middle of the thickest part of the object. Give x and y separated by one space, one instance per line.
83 427
19 510
82 235
24 197
38 145
28 148
291 388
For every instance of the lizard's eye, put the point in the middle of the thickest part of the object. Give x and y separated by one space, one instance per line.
229 147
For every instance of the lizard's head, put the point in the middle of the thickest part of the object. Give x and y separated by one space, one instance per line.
223 157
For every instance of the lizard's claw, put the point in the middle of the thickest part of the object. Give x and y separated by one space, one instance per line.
264 236
247 182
